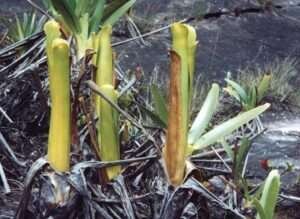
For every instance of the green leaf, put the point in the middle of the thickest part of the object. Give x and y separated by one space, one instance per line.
260 210
108 130
48 4
241 92
241 156
205 114
232 93
66 9
227 128
81 7
31 23
159 104
19 28
153 116
269 195
263 87
227 148
96 17
116 10
252 99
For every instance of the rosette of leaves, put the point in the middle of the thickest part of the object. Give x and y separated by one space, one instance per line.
25 26
249 97
80 18
182 141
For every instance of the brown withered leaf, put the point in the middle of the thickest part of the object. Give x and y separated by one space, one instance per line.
174 151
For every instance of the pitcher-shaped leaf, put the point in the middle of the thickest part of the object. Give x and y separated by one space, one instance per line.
174 151
184 44
181 76
60 127
103 61
108 135
105 67
51 29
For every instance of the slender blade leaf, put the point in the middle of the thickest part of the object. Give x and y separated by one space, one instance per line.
117 12
204 116
241 92
95 20
227 128
159 104
263 86
67 12
270 193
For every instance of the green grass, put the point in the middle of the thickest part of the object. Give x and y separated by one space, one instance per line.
283 73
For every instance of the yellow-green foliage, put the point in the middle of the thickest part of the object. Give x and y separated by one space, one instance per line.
180 141
269 196
83 18
249 96
108 117
59 76
182 72
108 130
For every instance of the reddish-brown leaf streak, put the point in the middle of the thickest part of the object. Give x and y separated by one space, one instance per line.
174 150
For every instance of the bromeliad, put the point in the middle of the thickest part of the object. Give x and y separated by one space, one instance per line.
182 142
81 19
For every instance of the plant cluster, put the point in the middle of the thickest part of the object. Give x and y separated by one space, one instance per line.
83 19
250 96
25 26
89 23
282 75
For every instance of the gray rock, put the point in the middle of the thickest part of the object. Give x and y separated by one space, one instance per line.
227 43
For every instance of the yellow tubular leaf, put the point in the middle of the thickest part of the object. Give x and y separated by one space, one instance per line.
104 73
52 31
95 45
108 136
192 45
108 132
179 34
60 128
181 82
105 62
